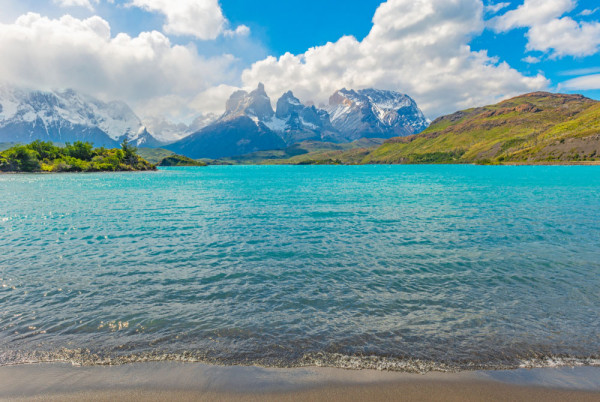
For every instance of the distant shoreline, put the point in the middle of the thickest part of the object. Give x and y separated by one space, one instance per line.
586 163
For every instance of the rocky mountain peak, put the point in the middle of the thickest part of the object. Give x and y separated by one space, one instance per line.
374 113
343 97
256 105
287 104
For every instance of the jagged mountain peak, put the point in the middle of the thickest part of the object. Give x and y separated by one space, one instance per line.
249 119
256 105
287 104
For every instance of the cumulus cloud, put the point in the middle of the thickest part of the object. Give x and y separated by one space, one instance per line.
419 47
202 19
46 53
548 31
76 3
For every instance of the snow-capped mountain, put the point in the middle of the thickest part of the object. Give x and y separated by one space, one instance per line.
250 124
292 121
241 129
295 122
256 105
67 116
374 113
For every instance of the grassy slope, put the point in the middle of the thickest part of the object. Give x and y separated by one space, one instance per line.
532 128
179 160
310 152
154 155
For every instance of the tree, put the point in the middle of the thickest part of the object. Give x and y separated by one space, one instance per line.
80 150
130 156
45 149
21 158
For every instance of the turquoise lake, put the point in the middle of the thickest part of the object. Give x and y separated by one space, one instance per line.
410 268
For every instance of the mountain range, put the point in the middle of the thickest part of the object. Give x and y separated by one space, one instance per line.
534 128
249 123
538 127
68 116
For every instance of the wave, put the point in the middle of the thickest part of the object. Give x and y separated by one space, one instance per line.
84 357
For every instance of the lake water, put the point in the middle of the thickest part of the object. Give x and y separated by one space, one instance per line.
409 268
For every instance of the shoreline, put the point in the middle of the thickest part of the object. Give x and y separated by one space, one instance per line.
196 381
158 168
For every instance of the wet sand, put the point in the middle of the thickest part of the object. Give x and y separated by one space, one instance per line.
198 382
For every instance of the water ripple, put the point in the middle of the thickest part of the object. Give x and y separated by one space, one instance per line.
410 268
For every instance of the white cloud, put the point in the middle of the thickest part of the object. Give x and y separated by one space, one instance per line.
202 19
565 37
532 12
494 8
586 82
531 60
548 32
588 12
185 107
419 47
46 53
241 30
76 3
581 71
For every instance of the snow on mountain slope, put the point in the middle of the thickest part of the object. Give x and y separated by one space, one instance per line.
374 113
249 122
297 122
64 116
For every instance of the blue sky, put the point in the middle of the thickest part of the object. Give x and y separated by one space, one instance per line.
180 59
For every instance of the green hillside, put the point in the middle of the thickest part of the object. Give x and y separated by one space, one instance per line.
534 128
309 153
154 155
179 160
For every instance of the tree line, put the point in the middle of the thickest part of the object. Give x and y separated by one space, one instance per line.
44 156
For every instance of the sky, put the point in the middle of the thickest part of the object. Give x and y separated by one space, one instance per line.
180 59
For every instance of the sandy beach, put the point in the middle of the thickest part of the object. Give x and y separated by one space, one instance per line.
199 382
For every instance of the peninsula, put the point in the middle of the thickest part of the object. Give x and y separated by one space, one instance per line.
44 156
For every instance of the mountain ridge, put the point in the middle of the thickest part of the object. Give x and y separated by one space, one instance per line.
366 113
68 116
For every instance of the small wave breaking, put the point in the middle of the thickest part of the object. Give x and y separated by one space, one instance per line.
85 357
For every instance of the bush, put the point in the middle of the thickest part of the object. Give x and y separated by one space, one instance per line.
80 150
77 157
45 149
21 159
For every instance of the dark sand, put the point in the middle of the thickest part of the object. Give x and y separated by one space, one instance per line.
199 382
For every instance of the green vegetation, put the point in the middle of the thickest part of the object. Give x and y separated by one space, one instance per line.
154 155
534 128
179 160
40 156
309 153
